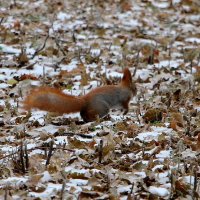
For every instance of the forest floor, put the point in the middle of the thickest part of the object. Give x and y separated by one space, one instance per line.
151 153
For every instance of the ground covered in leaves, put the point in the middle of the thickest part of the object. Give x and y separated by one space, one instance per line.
151 153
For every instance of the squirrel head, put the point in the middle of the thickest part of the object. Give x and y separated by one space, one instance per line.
127 81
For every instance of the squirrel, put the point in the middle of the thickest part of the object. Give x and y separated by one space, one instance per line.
96 103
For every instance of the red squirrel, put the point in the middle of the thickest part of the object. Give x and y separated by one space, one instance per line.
96 103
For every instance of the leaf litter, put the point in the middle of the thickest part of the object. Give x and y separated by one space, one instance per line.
153 151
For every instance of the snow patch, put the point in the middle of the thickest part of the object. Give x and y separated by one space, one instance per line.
162 192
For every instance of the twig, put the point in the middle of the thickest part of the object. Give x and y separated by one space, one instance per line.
131 195
79 56
59 47
195 183
55 148
191 65
73 37
42 47
63 186
143 149
57 43
100 151
14 3
21 155
50 152
1 20
6 193
26 156
71 134
171 177
43 75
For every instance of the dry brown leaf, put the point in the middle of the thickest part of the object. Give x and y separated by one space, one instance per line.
173 125
182 187
153 115
34 179
22 59
84 78
121 126
27 76
176 121
75 143
17 25
198 142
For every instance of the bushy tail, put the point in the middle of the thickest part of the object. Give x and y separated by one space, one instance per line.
53 100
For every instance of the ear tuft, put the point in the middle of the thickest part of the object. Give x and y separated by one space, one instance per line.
127 78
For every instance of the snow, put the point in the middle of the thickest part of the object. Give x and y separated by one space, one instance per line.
60 140
9 49
50 129
3 85
140 174
7 148
113 74
122 189
161 5
188 153
152 23
193 40
162 192
49 191
164 154
38 116
150 152
157 167
176 1
77 182
154 134
148 136
95 52
46 177
189 180
78 171
63 16
169 63
14 181
143 74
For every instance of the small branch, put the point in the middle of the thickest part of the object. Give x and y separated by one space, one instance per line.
59 47
74 38
63 185
143 149
35 148
6 193
79 56
57 43
26 156
1 20
100 151
42 47
43 75
50 152
191 65
131 195
21 155
171 177
195 183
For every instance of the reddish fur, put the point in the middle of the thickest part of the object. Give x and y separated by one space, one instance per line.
63 103
53 100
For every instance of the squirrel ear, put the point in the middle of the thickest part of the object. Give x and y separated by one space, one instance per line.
127 75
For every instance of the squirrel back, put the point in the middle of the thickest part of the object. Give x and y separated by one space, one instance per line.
96 103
